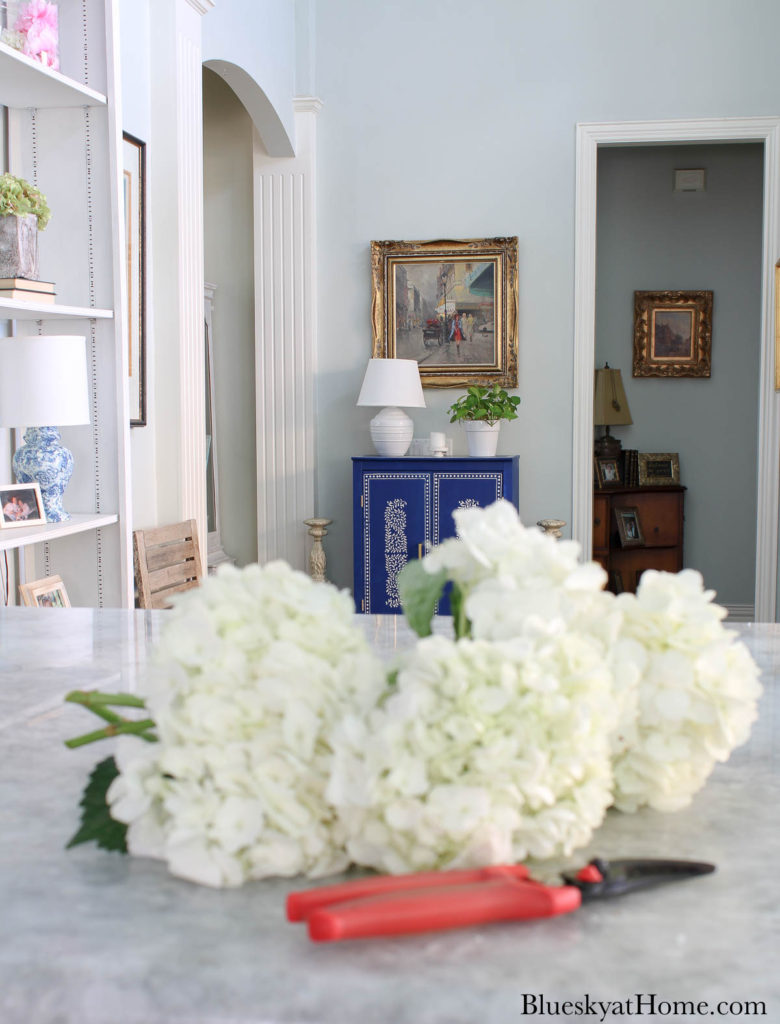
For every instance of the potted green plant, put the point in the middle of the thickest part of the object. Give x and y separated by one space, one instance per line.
23 213
481 411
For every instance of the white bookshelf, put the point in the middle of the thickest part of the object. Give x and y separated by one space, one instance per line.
16 309
23 536
65 135
26 83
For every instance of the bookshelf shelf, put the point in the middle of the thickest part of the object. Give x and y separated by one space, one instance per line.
25 82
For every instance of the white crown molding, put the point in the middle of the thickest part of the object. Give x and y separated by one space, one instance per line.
734 129
202 6
307 104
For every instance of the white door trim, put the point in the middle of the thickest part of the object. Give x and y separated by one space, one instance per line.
734 129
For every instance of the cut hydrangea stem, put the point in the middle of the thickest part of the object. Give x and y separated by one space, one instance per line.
116 729
91 698
97 702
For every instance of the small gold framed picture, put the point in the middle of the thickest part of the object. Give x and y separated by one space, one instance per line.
607 472
629 529
656 469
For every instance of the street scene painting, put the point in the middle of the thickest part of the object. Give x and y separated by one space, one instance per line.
449 305
445 313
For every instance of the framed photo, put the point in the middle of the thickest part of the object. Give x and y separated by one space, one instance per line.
657 469
672 334
21 505
451 305
607 472
134 197
629 530
46 593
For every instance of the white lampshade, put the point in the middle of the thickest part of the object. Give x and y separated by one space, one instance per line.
43 386
43 381
392 383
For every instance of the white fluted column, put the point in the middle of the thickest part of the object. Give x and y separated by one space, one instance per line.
285 340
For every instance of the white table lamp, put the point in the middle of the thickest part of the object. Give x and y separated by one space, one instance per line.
392 383
43 381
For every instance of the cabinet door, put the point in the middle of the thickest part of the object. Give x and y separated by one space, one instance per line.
601 529
462 489
660 516
396 529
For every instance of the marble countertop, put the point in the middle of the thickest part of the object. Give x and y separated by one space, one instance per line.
89 937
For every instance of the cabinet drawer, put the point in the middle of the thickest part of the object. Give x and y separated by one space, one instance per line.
660 517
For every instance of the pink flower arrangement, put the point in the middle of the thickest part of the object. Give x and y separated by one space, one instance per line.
37 23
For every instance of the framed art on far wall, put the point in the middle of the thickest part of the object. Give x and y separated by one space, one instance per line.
134 200
672 334
451 305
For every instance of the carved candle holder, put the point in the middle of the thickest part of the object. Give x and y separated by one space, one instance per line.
317 530
552 526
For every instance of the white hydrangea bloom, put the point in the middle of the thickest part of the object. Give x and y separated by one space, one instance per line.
697 695
486 752
251 671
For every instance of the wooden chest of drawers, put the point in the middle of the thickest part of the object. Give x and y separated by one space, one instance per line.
660 511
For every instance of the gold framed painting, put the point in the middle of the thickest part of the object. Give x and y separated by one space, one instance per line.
450 304
672 334
134 205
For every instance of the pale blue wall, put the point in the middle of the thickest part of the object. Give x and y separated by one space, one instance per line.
455 119
651 238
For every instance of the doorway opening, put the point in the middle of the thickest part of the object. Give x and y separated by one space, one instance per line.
590 139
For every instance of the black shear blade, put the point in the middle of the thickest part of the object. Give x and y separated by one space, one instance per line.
622 876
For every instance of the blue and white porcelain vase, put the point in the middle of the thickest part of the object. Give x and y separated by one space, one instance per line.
44 460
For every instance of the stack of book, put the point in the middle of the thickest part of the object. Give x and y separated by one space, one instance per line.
27 291
630 467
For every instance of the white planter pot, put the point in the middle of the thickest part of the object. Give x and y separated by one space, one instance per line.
482 438
19 246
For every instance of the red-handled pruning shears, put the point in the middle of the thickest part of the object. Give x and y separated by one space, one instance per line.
434 900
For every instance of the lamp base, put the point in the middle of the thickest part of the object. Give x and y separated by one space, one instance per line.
44 460
608 447
392 431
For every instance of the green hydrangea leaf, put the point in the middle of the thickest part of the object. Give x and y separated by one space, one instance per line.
461 623
97 825
420 592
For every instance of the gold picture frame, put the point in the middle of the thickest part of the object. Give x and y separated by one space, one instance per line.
608 472
672 334
450 304
629 528
134 209
658 468
48 592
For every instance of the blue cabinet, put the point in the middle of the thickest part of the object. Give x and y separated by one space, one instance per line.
404 506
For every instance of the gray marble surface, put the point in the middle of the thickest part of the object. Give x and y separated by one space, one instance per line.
88 937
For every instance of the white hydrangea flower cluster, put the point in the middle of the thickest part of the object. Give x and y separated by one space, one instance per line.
251 672
485 753
511 744
697 694
283 751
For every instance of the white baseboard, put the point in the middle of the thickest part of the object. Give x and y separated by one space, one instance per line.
741 612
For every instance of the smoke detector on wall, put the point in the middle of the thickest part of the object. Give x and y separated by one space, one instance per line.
689 180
